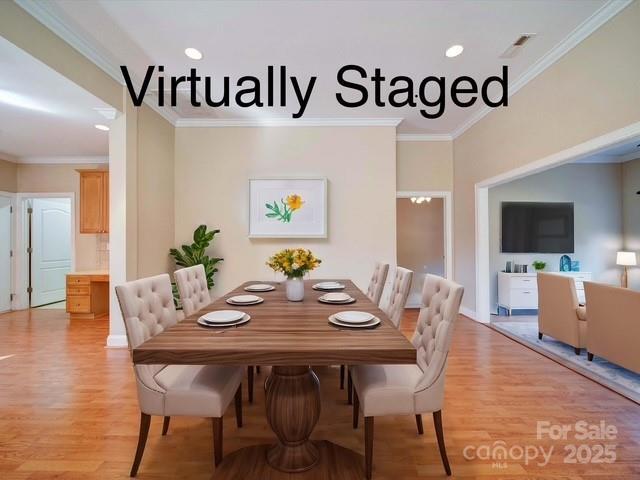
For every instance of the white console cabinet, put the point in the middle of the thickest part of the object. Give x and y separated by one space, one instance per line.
519 291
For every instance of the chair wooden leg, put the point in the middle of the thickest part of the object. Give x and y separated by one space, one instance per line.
238 406
590 356
341 377
368 446
258 369
576 350
217 440
437 422
356 409
419 424
145 422
539 335
250 382
165 425
349 389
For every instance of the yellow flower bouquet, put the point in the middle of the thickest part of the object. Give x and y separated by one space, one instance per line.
293 262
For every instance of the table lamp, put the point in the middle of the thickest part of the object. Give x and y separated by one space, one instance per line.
626 259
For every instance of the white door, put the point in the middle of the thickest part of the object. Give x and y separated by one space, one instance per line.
51 249
5 254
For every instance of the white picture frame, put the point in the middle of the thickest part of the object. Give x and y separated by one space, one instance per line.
297 207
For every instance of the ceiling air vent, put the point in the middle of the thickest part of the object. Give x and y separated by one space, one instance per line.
515 48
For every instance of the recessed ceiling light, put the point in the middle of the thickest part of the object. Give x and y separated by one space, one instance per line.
454 51
193 53
104 128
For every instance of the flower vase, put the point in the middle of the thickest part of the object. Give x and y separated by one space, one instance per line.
295 289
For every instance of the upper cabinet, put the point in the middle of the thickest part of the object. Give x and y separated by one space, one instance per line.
94 201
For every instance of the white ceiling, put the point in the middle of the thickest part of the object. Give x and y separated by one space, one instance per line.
317 38
54 117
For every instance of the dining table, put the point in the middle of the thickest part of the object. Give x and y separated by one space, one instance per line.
292 338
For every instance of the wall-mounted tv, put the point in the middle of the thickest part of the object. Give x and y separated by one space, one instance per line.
533 227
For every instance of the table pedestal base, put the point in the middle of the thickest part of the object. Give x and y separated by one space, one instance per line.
334 463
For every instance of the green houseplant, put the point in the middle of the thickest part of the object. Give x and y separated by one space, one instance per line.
195 254
539 265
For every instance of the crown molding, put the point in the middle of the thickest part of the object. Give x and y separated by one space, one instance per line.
582 31
418 137
288 122
7 157
64 160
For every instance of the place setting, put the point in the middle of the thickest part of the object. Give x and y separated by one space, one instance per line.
354 319
336 298
328 286
259 287
244 300
224 318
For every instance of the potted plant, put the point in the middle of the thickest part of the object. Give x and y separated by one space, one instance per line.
539 265
195 254
294 263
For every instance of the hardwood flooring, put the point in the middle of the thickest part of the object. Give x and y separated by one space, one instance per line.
68 410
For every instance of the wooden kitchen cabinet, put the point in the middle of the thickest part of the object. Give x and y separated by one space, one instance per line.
88 295
94 201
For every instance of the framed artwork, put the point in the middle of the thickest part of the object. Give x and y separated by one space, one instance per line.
288 208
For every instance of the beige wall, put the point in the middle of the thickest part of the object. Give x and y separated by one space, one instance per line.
8 176
155 193
591 91
631 214
64 178
213 166
424 166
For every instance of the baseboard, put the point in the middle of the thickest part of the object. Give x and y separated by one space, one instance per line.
117 341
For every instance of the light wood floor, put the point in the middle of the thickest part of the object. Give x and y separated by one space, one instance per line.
68 410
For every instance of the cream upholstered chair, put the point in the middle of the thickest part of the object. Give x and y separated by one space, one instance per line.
194 295
193 288
614 325
376 285
394 309
374 293
399 292
559 314
412 389
169 390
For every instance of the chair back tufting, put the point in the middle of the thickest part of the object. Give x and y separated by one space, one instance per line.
376 285
193 289
399 293
441 300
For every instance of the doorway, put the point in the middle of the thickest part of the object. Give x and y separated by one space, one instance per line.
422 238
6 234
47 248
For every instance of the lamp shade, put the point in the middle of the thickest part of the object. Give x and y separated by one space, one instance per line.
626 258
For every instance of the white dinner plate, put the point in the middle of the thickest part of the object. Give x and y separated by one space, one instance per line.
235 323
336 297
259 287
222 316
353 316
328 286
245 300
371 323
344 302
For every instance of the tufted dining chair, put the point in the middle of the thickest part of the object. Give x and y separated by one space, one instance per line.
194 295
193 288
376 285
412 389
173 390
394 309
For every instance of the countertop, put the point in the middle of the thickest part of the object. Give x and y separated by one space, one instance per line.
90 272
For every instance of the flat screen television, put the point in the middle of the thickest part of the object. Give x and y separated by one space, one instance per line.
534 227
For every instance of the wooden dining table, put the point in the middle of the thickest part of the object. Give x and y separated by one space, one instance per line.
291 337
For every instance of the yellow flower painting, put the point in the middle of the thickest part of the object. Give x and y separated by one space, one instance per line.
283 210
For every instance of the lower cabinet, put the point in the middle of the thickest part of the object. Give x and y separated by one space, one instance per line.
87 295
